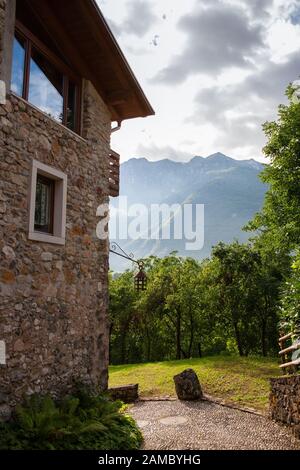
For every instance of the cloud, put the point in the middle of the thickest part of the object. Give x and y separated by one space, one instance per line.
218 37
153 152
139 20
294 15
241 132
238 111
259 8
265 87
116 29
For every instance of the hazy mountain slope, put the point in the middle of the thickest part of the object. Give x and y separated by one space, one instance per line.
229 189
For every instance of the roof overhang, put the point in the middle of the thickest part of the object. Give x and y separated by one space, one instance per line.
86 42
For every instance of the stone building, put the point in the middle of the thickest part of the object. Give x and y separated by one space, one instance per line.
63 83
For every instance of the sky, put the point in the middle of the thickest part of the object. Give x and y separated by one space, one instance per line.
213 70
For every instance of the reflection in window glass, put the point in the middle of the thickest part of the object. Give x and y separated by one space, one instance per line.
46 86
71 106
18 66
43 220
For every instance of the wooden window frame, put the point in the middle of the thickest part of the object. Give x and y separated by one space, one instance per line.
30 42
51 183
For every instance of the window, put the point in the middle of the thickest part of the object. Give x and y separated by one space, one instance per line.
46 87
17 82
48 199
44 80
44 204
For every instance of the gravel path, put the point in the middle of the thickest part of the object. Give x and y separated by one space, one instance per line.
175 425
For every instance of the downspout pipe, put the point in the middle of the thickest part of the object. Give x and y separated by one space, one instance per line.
117 127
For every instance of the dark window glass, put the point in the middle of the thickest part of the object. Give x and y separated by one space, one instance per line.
71 120
44 205
41 82
46 86
18 64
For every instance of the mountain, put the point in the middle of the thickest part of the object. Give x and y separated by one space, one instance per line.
229 189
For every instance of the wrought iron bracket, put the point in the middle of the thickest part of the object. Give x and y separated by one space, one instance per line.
117 250
140 279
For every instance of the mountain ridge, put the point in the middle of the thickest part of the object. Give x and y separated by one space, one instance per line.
229 189
216 155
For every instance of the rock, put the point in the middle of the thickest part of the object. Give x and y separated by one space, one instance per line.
285 401
5 122
8 252
59 265
297 431
46 256
19 345
3 398
5 413
8 277
187 385
44 143
3 208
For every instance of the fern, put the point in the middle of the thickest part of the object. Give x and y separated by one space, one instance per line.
83 421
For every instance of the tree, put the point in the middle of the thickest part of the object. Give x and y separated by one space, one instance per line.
290 311
279 220
238 269
122 315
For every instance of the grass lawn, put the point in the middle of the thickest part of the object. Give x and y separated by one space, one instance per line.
242 381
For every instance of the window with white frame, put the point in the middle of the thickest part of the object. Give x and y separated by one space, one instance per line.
48 201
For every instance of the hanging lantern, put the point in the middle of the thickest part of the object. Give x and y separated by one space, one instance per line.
140 279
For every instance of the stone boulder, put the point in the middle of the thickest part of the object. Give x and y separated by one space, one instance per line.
187 385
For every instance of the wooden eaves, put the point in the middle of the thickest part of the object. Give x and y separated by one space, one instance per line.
85 41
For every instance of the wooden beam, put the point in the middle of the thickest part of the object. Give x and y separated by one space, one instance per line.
289 349
8 42
115 57
47 18
57 32
284 338
289 364
118 97
91 49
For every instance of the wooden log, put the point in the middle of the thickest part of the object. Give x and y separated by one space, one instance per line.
284 338
294 347
289 364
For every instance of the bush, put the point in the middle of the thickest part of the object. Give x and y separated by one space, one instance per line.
80 422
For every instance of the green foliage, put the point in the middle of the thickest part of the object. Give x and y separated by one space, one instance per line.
81 422
247 292
279 221
241 380
224 304
232 300
290 311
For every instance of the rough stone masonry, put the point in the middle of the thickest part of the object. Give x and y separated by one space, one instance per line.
285 401
53 299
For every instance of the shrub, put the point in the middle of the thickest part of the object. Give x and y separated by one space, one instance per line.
80 422
290 311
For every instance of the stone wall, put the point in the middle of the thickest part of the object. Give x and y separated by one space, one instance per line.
125 393
285 401
53 299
